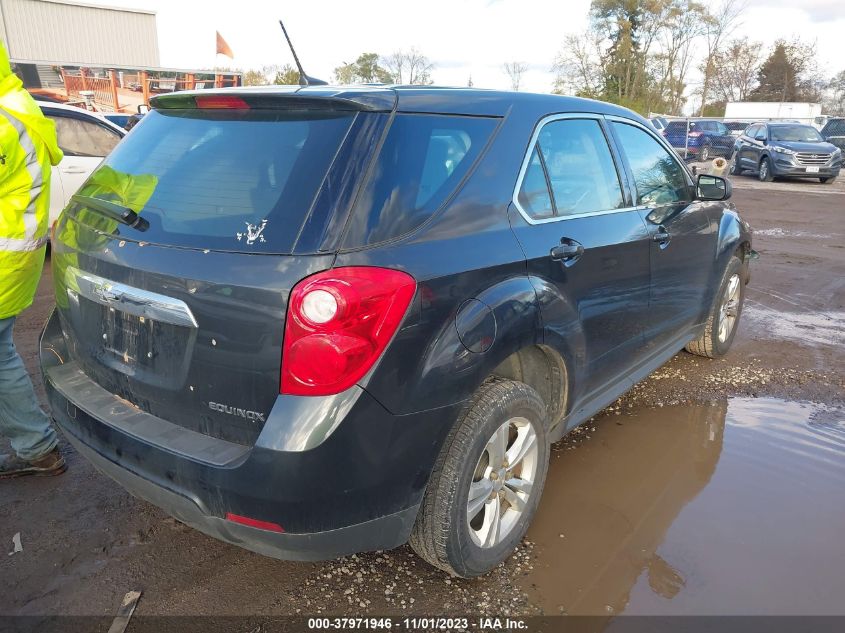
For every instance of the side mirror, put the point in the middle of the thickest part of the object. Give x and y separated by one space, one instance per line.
143 108
760 138
712 188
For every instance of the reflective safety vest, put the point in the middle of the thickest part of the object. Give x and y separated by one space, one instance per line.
28 148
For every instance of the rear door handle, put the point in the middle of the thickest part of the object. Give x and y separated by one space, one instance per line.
74 170
568 251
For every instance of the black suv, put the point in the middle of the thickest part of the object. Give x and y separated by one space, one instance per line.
318 321
785 150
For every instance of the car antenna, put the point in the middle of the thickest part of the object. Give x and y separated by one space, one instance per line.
304 80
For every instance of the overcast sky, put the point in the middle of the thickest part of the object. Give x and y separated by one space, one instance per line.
461 37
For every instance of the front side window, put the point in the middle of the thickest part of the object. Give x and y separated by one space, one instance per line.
659 179
84 138
573 156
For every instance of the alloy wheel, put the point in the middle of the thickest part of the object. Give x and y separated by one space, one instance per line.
729 309
502 482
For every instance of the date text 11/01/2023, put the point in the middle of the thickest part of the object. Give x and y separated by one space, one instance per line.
419 624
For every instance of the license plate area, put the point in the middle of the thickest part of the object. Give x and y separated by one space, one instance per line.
812 170
128 337
115 343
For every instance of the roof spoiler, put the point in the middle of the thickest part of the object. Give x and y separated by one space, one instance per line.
317 98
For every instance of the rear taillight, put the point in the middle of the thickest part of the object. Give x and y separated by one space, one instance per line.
221 102
338 324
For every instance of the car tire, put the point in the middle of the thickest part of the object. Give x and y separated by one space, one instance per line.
829 180
705 153
765 171
444 534
734 169
715 342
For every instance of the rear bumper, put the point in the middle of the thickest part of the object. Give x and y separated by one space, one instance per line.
356 487
385 532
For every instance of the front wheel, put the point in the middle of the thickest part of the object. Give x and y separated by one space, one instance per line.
705 154
765 173
486 483
720 328
735 169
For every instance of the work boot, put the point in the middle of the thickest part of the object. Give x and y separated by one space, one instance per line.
50 464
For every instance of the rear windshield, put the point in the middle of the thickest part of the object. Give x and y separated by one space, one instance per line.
238 180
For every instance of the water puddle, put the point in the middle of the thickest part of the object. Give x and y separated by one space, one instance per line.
779 232
821 328
735 507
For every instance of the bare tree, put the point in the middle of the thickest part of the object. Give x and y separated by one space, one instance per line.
409 67
835 99
515 71
578 68
720 25
736 69
683 23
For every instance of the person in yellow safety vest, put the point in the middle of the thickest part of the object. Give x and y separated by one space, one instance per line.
28 148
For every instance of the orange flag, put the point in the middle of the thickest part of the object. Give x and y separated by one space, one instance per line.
223 48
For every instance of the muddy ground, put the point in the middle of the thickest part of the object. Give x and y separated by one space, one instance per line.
713 487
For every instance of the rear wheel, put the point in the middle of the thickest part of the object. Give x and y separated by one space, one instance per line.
487 481
720 328
828 180
705 153
765 172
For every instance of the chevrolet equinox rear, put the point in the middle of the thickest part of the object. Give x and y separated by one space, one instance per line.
318 321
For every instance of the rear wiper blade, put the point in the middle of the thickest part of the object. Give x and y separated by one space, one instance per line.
114 211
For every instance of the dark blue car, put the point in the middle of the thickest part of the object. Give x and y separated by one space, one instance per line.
699 140
324 320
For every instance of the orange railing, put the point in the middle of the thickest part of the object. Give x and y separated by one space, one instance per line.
105 89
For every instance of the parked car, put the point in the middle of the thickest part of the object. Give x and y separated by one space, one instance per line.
774 150
834 132
702 140
119 119
318 321
659 123
85 138
736 128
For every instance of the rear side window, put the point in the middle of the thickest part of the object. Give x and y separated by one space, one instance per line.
238 180
420 165
659 179
534 196
579 170
84 138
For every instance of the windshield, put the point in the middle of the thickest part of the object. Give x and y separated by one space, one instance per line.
237 180
795 134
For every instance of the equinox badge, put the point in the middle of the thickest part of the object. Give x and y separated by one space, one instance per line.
241 413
